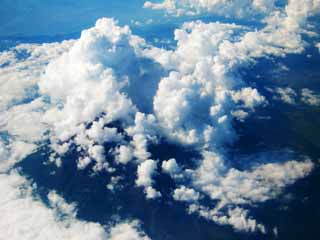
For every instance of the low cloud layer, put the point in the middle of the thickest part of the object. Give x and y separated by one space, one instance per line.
23 216
237 8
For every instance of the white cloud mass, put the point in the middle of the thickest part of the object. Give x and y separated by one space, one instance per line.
72 93
23 216
236 8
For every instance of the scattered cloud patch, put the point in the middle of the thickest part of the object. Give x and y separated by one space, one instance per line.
185 194
237 8
309 97
286 95
146 170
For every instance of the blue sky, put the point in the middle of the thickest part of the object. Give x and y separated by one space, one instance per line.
48 17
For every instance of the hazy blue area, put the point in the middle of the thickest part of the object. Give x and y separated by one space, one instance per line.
60 17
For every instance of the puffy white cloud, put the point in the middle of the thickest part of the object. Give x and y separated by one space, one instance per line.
289 96
60 149
235 8
101 134
232 187
236 217
244 187
83 162
309 97
185 194
281 23
114 183
146 170
239 219
86 85
4 152
98 154
318 46
124 154
13 153
240 114
196 101
15 120
23 216
286 95
85 81
144 130
249 97
19 75
203 93
59 204
140 144
170 166
127 231
21 110
151 193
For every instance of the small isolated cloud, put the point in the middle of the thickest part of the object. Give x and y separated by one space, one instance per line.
146 171
124 154
289 96
309 97
171 167
237 217
286 95
249 97
185 194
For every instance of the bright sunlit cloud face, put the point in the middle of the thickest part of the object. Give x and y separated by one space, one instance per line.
117 133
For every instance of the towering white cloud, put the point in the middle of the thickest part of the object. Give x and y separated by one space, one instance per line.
203 94
85 79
